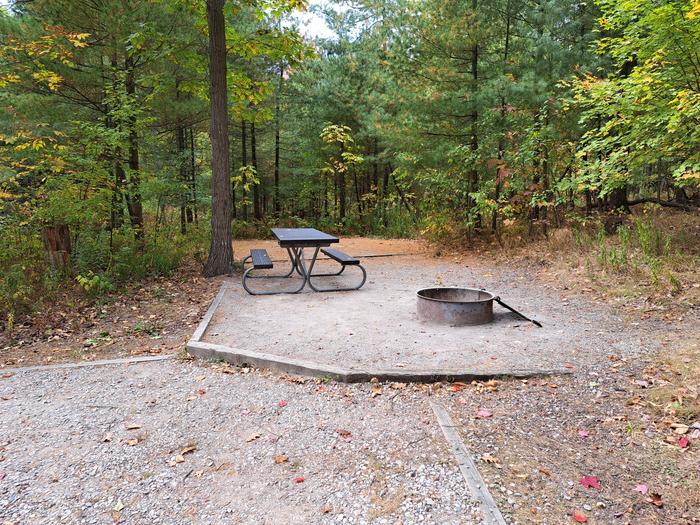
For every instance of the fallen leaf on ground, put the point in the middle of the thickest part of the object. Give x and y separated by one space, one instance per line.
107 438
642 489
253 437
179 458
580 517
545 471
188 448
345 435
119 506
8 375
568 365
200 378
590 482
326 508
133 426
376 390
133 441
655 499
457 387
488 458
2 475
483 413
684 442
583 433
282 403
299 479
201 391
680 428
281 459
397 386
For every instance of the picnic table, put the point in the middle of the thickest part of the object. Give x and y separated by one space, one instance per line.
294 241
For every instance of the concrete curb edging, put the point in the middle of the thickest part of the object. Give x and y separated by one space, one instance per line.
235 356
204 323
288 365
477 485
101 362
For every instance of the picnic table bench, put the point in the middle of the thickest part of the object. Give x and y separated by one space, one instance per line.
295 240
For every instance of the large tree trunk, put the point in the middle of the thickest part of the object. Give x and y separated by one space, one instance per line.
220 260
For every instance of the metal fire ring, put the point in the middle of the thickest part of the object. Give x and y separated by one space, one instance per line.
455 306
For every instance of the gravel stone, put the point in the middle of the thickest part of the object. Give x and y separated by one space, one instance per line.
69 458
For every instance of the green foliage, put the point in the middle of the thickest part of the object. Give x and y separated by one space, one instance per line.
94 285
641 116
438 118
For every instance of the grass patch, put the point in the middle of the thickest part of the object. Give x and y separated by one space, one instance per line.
676 391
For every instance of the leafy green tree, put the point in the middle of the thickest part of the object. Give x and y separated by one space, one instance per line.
642 118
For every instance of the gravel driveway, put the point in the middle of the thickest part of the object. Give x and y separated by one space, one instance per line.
176 442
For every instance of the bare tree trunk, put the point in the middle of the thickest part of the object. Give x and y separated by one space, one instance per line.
244 162
180 140
257 212
193 182
357 192
182 165
341 189
277 204
385 194
135 208
375 168
502 138
234 207
473 173
220 260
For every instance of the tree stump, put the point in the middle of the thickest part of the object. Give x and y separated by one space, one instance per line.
57 246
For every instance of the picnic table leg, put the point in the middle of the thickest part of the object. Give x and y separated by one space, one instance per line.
310 274
294 258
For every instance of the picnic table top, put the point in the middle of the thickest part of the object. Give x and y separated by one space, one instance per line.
303 236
